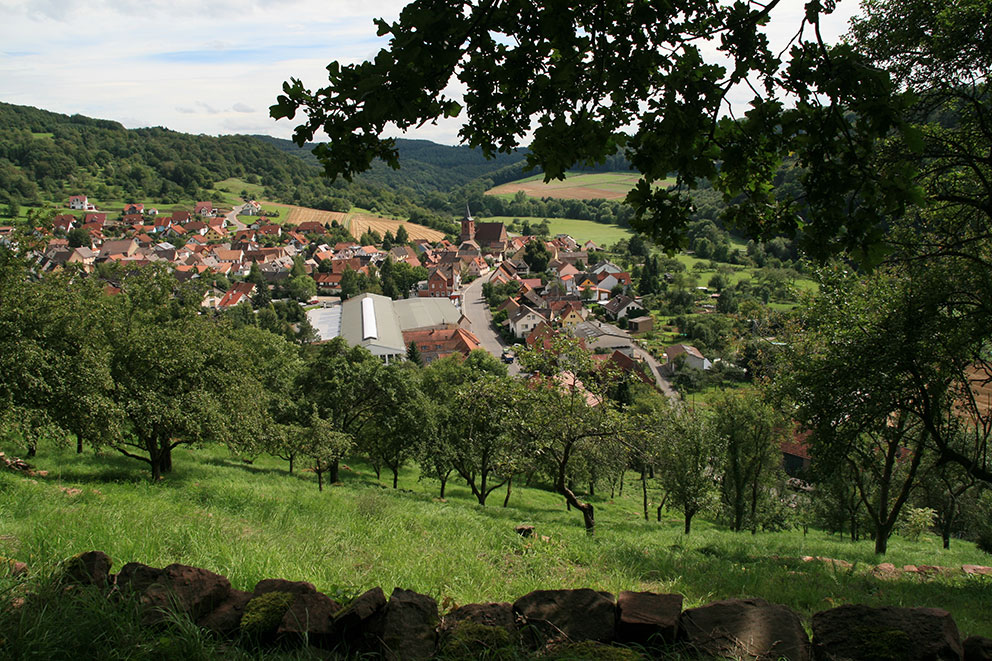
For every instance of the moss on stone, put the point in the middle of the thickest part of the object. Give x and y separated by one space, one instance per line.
592 651
882 644
264 613
471 640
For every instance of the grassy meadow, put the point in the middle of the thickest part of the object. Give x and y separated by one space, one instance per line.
576 186
256 521
581 230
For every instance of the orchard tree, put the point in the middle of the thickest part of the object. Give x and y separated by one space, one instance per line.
485 450
566 409
689 452
752 431
347 386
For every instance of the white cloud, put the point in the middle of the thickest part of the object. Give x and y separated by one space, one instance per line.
199 66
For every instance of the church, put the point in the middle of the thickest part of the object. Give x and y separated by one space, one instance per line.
489 237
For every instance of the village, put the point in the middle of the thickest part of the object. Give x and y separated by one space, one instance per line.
486 291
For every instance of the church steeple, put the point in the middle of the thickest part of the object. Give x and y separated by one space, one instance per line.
468 226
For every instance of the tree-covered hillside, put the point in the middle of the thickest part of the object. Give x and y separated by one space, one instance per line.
46 156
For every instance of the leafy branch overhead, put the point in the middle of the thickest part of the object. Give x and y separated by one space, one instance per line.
589 79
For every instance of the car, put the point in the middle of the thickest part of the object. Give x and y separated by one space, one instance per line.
508 356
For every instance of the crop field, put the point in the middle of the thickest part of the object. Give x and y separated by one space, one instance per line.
295 215
359 223
576 186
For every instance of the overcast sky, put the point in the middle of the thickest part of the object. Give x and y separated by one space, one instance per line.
205 66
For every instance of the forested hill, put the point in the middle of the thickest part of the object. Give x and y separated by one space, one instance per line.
46 156
424 165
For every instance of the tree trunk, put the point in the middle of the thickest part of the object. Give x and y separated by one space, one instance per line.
588 512
396 476
621 483
509 485
592 488
333 470
688 521
166 457
882 539
291 457
79 444
444 483
320 479
644 490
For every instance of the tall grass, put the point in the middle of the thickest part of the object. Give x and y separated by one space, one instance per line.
250 522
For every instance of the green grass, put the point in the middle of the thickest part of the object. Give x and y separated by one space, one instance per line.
580 230
235 186
607 182
251 522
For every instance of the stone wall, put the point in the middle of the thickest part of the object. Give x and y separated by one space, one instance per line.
408 625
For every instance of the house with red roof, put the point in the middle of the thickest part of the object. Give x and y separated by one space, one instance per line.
238 293
435 343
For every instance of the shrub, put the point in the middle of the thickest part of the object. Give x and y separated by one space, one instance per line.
916 521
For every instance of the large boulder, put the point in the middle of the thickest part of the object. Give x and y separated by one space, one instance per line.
648 618
745 628
568 615
408 627
357 625
904 634
490 614
310 612
190 590
225 619
977 648
89 568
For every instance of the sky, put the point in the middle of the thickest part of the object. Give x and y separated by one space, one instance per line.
208 66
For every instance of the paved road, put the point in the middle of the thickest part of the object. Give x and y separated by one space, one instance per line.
232 218
475 308
607 335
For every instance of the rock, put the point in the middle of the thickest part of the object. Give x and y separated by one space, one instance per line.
745 627
358 624
13 567
189 590
976 569
89 568
647 618
282 585
407 629
903 634
525 531
225 619
977 648
490 615
572 615
310 612
886 571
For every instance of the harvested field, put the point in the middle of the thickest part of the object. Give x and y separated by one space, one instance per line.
297 215
576 186
358 223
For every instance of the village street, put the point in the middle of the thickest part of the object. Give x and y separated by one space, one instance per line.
475 308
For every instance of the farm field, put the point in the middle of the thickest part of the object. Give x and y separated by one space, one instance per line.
580 230
575 186
359 223
250 522
356 222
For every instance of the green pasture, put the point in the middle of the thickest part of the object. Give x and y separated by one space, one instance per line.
255 521
581 230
